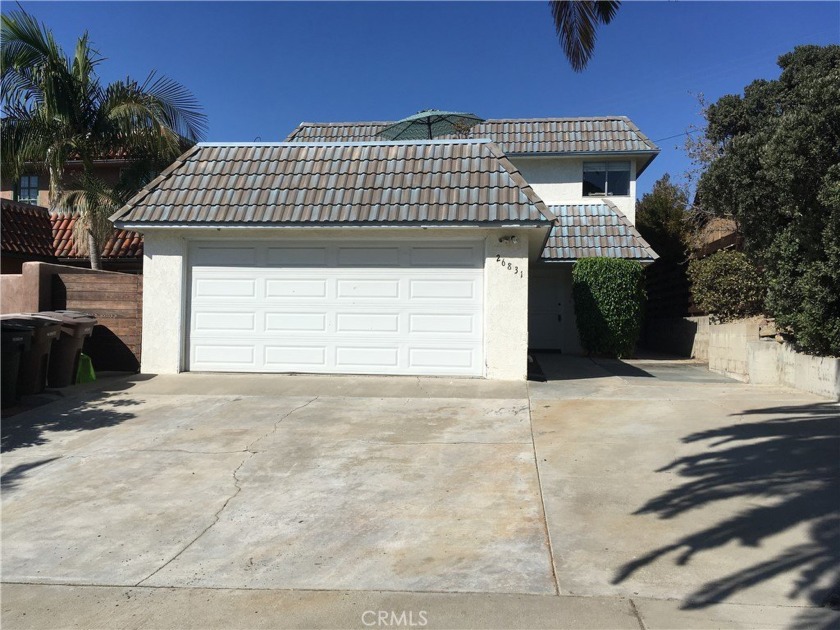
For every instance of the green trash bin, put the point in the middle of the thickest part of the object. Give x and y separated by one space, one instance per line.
64 360
16 339
34 362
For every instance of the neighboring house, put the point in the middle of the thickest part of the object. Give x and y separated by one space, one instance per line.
25 236
122 252
34 234
33 187
339 253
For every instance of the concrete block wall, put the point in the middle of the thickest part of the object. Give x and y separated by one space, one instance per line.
728 352
735 350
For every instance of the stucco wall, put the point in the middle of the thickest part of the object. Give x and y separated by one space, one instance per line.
506 308
164 271
505 293
559 180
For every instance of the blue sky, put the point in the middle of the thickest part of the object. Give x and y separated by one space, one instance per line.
259 68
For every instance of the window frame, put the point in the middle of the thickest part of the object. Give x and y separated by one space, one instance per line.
607 166
29 187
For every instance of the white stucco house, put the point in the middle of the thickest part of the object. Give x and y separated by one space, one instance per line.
336 252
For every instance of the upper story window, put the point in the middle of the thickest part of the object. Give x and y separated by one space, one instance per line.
605 179
27 189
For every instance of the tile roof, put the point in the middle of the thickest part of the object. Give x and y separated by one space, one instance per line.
25 229
123 244
442 181
588 230
515 136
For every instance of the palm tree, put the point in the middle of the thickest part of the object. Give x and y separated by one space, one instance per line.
56 110
576 23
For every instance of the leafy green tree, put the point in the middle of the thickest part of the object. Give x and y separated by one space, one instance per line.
778 174
662 219
576 23
55 109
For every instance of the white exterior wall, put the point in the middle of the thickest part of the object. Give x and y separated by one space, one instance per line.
164 276
506 307
165 289
559 180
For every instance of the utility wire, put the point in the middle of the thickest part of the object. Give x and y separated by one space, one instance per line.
684 133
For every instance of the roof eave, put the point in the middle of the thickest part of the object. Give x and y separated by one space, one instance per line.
215 225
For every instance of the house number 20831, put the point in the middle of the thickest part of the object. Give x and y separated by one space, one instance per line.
510 266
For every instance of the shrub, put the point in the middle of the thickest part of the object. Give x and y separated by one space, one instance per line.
726 285
609 300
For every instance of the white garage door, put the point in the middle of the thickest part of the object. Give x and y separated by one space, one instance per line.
348 307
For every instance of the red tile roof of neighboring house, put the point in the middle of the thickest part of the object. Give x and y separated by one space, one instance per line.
123 244
25 230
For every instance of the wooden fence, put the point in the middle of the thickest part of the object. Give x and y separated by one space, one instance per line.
668 287
116 300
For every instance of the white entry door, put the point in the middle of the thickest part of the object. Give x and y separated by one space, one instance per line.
388 307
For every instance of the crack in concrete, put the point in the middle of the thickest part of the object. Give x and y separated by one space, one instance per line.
236 491
542 506
638 615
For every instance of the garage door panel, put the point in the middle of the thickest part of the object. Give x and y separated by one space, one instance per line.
366 356
362 256
296 256
292 289
225 288
295 322
441 357
225 354
443 256
381 288
221 322
229 256
443 323
368 308
367 322
292 357
442 289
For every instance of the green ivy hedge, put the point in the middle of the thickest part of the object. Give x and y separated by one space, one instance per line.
609 303
727 286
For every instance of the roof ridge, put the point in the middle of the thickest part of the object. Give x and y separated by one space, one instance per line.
347 143
520 181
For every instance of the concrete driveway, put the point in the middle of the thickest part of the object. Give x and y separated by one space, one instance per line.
651 493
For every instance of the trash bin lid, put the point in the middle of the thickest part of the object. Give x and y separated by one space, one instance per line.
34 320
73 323
74 317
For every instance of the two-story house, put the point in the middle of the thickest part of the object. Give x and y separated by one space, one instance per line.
338 252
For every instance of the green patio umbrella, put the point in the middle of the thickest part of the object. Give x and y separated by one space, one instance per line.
428 124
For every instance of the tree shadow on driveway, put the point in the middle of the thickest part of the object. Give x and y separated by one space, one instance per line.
30 428
787 468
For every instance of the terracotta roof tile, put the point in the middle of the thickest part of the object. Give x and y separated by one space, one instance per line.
123 244
25 229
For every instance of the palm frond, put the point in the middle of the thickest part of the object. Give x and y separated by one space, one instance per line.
179 108
576 23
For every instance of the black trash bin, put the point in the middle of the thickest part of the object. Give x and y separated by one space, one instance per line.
64 360
16 339
34 362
